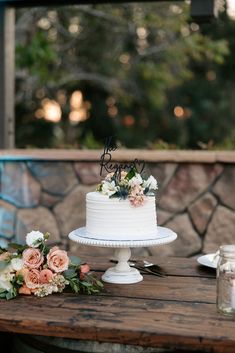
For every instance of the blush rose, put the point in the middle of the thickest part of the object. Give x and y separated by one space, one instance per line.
32 258
57 260
32 278
46 276
84 268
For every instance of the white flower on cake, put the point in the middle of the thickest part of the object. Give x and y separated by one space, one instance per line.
150 183
136 180
131 185
109 188
34 238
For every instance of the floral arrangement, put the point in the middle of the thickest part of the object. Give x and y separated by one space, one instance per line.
131 185
37 269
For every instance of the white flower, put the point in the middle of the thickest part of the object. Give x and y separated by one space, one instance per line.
136 180
17 263
6 277
109 188
33 239
150 183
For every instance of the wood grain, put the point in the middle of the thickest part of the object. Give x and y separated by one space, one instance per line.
154 323
150 156
174 266
178 311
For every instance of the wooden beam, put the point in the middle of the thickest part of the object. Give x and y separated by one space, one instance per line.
7 76
34 3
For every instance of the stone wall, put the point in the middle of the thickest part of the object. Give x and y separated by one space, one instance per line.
47 192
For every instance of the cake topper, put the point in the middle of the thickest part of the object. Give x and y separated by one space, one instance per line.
109 166
124 180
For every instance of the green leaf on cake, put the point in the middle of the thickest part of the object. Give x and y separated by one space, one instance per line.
131 173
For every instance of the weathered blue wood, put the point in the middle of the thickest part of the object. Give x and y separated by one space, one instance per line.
7 77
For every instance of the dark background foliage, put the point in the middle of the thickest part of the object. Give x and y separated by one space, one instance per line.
146 74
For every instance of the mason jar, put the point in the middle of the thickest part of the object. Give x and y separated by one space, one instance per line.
225 280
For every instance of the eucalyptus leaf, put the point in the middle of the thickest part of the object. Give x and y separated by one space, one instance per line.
70 273
86 284
99 283
75 260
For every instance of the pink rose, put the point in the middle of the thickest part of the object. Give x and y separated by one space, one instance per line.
57 260
137 197
45 276
24 290
83 270
32 258
32 278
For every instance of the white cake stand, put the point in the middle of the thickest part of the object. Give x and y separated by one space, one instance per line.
122 273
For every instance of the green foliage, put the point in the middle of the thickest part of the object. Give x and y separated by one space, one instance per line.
37 57
75 261
88 285
134 63
18 247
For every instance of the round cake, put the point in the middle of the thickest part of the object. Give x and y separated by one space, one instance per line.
116 219
122 208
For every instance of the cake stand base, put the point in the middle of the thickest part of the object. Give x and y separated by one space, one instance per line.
122 273
113 276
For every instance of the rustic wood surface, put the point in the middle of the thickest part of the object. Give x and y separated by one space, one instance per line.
177 311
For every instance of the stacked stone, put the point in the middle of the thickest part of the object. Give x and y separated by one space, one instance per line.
194 199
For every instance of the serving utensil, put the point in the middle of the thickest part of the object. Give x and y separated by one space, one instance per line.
146 267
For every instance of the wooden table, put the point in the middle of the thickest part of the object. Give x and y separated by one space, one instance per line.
178 311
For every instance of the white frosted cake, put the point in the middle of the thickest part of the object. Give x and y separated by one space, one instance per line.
116 219
122 208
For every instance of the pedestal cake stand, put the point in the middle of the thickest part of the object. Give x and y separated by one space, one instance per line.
122 273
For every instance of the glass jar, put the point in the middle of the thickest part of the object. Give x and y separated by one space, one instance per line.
225 280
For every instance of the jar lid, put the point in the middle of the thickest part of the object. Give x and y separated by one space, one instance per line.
227 250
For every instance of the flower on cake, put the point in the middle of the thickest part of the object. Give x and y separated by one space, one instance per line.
131 185
150 183
36 269
136 196
135 181
109 188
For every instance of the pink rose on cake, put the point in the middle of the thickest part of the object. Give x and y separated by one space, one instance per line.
131 185
137 197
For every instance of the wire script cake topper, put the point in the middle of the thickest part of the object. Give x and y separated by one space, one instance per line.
108 165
